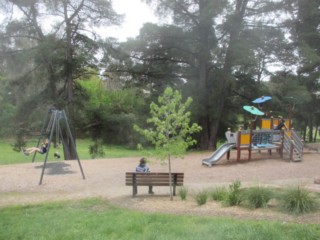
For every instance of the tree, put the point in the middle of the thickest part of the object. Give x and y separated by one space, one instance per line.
290 98
307 36
107 114
55 57
207 44
169 128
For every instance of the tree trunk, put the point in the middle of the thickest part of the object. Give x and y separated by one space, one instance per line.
310 126
70 152
48 64
227 69
204 137
204 30
304 133
214 134
69 56
315 134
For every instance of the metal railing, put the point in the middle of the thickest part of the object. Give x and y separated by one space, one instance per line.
293 145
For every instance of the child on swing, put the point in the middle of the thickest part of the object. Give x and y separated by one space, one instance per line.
42 150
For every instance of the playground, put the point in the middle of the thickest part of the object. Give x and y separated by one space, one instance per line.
106 178
253 157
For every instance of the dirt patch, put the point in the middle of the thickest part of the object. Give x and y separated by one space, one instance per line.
313 147
19 184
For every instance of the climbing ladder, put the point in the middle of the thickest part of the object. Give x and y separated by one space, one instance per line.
293 146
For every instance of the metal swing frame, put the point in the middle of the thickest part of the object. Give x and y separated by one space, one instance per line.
51 125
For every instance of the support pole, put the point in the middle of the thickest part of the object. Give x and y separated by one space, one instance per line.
250 137
47 153
72 141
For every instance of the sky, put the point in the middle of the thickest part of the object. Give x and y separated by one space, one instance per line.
136 14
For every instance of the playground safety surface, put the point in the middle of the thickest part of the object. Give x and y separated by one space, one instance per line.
19 183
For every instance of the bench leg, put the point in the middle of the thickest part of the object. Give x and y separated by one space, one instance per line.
134 190
174 190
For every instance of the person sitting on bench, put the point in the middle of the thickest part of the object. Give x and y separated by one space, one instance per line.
143 168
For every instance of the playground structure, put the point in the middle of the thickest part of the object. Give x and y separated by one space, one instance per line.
55 126
266 138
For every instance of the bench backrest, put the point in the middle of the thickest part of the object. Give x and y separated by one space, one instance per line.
153 178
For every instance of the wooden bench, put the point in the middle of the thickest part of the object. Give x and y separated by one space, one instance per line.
135 179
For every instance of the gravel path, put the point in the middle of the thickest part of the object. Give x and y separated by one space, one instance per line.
19 184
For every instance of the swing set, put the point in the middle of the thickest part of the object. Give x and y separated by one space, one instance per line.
55 127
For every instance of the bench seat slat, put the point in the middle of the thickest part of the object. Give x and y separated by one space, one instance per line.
160 185
152 174
154 179
150 183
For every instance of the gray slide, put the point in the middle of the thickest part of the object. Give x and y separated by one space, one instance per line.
218 154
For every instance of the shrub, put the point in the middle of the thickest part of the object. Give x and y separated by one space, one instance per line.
183 191
257 197
219 194
234 197
298 201
96 150
202 197
20 141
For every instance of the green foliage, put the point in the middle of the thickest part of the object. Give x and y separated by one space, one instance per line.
41 68
93 89
183 192
298 200
8 107
108 114
257 197
20 141
234 194
307 35
219 194
169 128
96 150
98 219
201 197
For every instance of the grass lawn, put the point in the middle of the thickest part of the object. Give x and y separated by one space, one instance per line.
97 219
9 156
